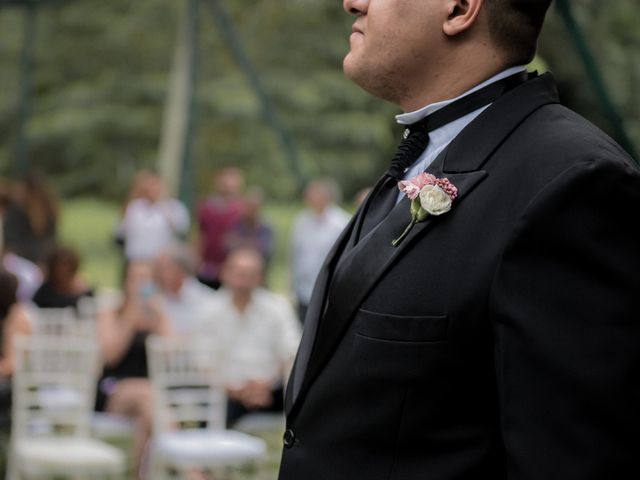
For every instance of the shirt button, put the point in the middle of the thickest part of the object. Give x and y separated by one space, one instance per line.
289 438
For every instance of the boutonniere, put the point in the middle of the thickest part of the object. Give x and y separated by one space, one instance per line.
429 195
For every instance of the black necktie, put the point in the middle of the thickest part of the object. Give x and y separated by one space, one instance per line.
416 139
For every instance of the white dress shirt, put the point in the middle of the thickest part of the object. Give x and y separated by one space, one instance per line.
192 309
440 138
148 227
259 343
312 238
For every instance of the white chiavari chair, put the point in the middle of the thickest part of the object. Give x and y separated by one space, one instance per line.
50 435
190 411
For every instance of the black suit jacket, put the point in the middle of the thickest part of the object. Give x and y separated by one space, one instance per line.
500 340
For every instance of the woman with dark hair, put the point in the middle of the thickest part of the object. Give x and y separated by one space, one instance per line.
13 321
31 220
62 286
124 388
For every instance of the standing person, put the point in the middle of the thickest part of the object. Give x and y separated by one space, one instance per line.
6 199
216 215
31 220
152 221
136 191
259 333
251 230
499 336
314 232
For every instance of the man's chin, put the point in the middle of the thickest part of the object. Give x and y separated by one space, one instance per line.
352 69
367 83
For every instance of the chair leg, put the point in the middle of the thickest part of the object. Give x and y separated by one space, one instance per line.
12 471
157 470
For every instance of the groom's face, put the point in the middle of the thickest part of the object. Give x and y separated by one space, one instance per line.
393 43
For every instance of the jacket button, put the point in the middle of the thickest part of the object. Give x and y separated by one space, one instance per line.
289 438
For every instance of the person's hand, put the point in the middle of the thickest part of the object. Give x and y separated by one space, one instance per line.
156 318
254 394
155 305
80 285
17 321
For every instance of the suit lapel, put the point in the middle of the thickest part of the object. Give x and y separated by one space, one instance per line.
359 269
345 243
314 310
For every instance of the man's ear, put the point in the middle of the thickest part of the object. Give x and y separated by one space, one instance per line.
462 15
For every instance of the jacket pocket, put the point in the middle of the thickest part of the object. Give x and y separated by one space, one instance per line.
401 328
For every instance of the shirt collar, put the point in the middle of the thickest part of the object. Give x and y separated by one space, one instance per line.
417 115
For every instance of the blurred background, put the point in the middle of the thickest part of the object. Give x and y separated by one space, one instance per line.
227 125
94 91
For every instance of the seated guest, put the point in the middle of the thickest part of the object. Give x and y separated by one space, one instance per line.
188 302
260 334
124 388
13 321
62 287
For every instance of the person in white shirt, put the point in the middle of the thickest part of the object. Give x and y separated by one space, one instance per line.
152 221
259 333
189 304
314 232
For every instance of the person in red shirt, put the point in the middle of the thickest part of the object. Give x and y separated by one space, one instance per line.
216 215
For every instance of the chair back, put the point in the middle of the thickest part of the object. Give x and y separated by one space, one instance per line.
64 322
87 309
53 385
187 383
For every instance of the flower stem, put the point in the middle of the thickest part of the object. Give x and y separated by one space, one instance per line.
398 240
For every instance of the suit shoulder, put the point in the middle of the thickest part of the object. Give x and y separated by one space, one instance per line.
555 149
563 137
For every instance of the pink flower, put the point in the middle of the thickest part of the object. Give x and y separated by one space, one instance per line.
448 187
436 196
413 186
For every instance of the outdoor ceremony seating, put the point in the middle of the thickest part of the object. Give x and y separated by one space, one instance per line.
64 322
53 394
190 411
80 322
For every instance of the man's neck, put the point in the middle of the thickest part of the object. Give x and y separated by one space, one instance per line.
320 211
241 301
426 110
451 81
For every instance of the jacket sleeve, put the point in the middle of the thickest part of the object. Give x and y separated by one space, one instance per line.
565 304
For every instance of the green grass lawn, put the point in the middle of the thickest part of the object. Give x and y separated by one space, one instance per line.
88 225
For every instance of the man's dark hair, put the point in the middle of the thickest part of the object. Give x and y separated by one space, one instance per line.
514 26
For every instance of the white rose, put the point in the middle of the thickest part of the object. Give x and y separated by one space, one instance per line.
435 200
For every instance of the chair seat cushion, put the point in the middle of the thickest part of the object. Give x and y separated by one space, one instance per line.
68 455
208 448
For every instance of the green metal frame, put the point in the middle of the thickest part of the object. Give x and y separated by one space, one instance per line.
595 77
236 47
269 112
21 165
